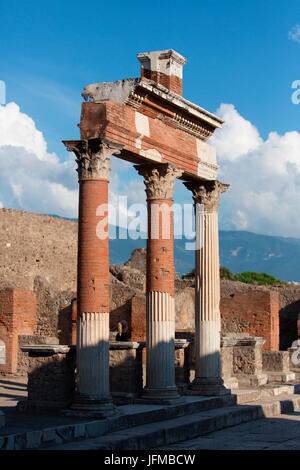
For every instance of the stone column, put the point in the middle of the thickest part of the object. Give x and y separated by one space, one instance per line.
92 388
208 380
160 314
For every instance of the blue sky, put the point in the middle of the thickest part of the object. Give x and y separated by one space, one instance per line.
238 53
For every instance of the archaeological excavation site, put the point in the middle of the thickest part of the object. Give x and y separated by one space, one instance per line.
134 356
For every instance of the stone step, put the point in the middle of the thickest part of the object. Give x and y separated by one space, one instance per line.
269 390
130 416
154 435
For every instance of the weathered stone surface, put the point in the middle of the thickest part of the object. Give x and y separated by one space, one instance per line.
137 260
126 369
276 361
23 359
34 245
50 307
2 420
130 276
247 356
51 375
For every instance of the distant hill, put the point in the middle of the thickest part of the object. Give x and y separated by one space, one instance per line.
239 251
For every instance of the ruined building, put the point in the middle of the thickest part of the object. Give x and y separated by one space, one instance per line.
62 296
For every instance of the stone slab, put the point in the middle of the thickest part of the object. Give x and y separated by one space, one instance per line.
2 419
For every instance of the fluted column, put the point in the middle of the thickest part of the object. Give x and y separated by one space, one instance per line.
208 380
160 314
92 352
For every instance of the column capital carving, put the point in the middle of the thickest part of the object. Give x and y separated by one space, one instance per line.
93 156
207 193
159 179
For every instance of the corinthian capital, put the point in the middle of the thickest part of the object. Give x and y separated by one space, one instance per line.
207 193
93 156
159 179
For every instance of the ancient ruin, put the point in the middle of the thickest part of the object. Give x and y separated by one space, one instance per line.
146 121
223 340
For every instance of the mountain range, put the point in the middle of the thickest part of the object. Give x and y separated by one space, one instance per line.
239 251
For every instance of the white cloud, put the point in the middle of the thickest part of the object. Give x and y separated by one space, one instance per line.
294 34
264 175
31 178
18 129
241 131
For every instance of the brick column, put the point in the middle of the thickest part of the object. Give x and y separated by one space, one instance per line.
208 380
160 314
93 159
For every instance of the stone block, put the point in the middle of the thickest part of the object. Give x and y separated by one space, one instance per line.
247 355
2 419
294 356
281 377
252 380
48 435
276 361
182 363
125 369
51 377
33 439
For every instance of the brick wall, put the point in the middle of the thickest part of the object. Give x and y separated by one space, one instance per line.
255 312
138 318
17 317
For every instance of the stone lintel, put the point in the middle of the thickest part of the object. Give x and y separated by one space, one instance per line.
123 91
231 341
47 348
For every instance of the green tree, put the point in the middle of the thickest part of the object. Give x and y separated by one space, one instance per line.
225 273
248 277
190 275
260 279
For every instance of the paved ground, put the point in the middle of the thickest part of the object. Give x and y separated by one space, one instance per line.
13 389
280 433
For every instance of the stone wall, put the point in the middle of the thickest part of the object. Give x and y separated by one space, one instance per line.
37 245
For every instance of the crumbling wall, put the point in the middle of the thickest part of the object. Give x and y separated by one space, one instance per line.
39 253
37 245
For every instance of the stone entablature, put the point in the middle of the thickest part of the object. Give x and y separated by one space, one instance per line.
151 121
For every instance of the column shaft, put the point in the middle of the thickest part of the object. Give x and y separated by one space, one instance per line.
92 351
93 294
160 312
208 380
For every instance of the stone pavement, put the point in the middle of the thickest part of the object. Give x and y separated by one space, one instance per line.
13 389
157 427
279 433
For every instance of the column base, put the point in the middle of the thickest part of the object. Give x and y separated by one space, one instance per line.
160 396
89 407
208 387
